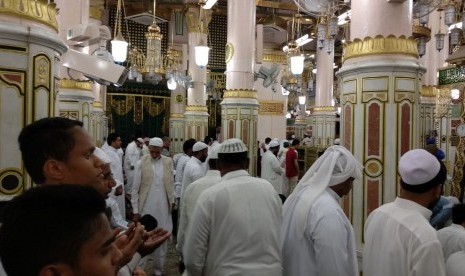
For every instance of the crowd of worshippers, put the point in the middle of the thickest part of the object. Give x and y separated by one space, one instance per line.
230 223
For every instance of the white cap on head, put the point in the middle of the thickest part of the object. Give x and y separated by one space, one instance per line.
102 155
274 143
198 146
156 142
292 136
213 152
140 140
418 166
233 145
337 141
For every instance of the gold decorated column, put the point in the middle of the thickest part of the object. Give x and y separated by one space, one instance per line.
239 108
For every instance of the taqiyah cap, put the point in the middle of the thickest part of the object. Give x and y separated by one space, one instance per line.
337 141
198 146
102 155
140 140
156 142
233 145
213 151
274 143
418 166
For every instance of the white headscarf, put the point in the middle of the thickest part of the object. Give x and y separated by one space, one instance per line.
335 166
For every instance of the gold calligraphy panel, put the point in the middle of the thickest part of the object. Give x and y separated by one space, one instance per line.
275 108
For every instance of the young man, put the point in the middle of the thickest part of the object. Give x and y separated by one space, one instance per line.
70 234
398 237
452 238
292 166
71 159
271 168
317 237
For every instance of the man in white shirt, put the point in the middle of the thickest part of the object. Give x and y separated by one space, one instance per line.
234 229
131 156
194 168
455 265
193 192
452 238
152 193
116 165
317 237
399 239
271 168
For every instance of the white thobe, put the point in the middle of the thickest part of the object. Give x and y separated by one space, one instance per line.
400 241
272 170
131 157
156 205
452 239
145 150
455 265
116 167
234 229
180 166
328 244
192 171
117 220
189 200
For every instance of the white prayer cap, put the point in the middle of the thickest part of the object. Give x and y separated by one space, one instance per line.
418 166
337 141
156 142
102 155
292 136
213 152
140 140
198 146
274 143
233 145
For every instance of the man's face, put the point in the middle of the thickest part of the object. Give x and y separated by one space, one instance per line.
82 166
167 143
99 255
117 143
108 181
138 144
155 151
203 155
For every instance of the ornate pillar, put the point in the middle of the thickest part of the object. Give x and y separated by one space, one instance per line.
29 51
323 118
196 115
76 92
239 108
177 125
379 84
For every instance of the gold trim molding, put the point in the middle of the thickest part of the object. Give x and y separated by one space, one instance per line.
239 93
380 45
79 85
275 57
176 115
429 91
97 104
324 108
196 108
38 11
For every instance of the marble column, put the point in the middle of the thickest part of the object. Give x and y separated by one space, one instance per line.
29 52
239 108
380 93
196 113
177 125
323 118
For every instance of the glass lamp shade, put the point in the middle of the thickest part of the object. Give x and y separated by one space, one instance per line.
302 99
119 48
171 83
333 27
297 64
449 15
285 92
455 94
201 55
424 14
329 46
455 34
439 41
422 46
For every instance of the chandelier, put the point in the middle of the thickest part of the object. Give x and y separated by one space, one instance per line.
202 50
119 46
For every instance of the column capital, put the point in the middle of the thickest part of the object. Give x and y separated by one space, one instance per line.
192 14
37 11
196 108
240 93
380 45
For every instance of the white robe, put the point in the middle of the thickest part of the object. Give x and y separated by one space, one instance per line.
272 170
116 167
131 157
117 220
328 244
156 205
192 171
400 241
452 239
180 166
455 265
189 201
234 229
